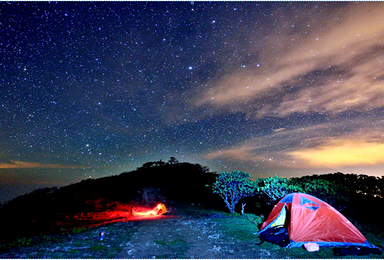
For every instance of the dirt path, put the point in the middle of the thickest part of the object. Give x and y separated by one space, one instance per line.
169 236
185 237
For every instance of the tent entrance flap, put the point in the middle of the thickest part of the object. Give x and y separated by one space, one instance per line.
280 220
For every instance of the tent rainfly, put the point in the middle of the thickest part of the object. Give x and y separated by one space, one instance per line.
311 220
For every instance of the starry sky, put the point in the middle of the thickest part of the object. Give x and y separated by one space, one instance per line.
94 89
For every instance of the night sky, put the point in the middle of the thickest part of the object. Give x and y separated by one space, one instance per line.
93 89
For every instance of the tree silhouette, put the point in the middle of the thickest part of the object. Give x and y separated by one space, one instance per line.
232 187
275 188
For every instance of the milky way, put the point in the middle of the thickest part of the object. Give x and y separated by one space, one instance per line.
93 89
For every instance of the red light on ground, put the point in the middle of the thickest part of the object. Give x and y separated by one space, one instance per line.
122 213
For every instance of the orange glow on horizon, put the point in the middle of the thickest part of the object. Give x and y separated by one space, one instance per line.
342 153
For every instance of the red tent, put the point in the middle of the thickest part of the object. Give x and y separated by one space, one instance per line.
309 219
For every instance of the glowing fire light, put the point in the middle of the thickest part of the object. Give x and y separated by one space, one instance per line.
122 213
158 210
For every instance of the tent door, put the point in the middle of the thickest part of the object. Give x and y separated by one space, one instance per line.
281 219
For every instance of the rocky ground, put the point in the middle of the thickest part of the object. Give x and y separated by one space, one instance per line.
186 237
169 236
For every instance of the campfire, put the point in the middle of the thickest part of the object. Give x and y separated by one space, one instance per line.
158 210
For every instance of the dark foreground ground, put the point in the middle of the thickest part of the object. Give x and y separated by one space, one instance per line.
179 234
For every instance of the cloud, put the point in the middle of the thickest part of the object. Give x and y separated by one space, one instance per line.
319 146
279 129
331 66
342 153
24 165
269 149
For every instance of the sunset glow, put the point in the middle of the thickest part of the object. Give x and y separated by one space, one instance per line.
344 153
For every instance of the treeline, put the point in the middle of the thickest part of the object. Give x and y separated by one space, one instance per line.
352 183
333 187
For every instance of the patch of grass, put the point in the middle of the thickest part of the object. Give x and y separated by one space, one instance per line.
75 251
166 256
173 242
197 211
177 241
78 230
98 247
254 219
239 227
18 242
113 251
375 239
178 246
161 242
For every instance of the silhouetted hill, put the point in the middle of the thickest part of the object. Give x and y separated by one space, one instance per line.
168 182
